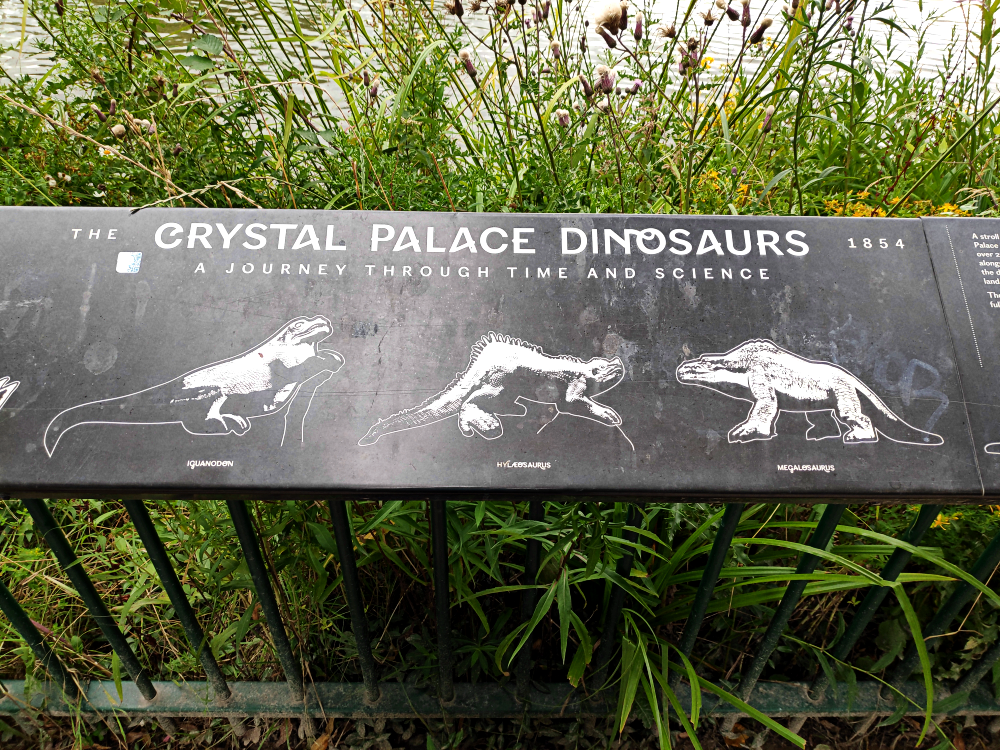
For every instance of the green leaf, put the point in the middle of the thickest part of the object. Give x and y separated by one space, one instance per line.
196 62
925 661
208 43
563 599
480 513
753 713
540 611
387 510
323 537
116 674
578 665
632 663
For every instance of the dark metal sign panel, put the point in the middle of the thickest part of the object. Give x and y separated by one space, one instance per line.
966 255
270 352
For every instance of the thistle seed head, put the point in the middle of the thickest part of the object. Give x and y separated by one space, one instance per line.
556 49
667 32
118 131
758 35
637 31
608 14
562 117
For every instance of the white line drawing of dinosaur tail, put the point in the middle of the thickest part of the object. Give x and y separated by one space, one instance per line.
890 425
440 406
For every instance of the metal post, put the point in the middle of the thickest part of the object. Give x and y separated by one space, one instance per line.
709 577
609 634
876 594
529 599
983 567
57 542
265 595
442 600
807 564
172 585
42 651
352 588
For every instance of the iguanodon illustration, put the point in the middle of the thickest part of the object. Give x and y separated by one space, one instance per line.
775 380
502 372
222 398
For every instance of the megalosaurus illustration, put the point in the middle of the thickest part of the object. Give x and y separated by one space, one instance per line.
775 380
222 398
502 372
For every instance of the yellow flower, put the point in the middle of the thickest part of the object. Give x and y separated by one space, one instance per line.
941 521
950 209
863 194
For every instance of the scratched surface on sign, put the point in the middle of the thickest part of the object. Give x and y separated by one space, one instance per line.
278 351
966 256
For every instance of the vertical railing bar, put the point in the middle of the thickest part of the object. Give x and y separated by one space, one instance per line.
442 598
609 633
876 594
982 568
979 670
175 591
50 531
265 595
709 577
529 598
807 564
352 588
43 652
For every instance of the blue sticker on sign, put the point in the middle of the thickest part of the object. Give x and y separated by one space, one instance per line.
128 262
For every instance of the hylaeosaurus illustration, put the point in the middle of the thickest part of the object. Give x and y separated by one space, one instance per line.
221 398
503 371
775 380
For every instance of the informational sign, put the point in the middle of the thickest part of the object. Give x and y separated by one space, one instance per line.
280 352
966 255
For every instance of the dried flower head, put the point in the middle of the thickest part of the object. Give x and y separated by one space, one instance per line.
745 17
151 129
662 30
637 31
544 10
562 117
176 150
556 49
608 14
118 131
758 35
96 75
454 8
623 21
708 17
465 55
732 14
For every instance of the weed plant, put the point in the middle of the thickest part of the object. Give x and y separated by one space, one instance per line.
502 105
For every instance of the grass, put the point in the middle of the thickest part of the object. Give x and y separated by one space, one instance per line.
403 105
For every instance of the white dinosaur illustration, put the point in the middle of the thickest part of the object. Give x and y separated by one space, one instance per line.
775 380
222 398
7 388
504 372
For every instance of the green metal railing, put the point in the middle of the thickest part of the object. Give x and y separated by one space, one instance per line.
370 698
